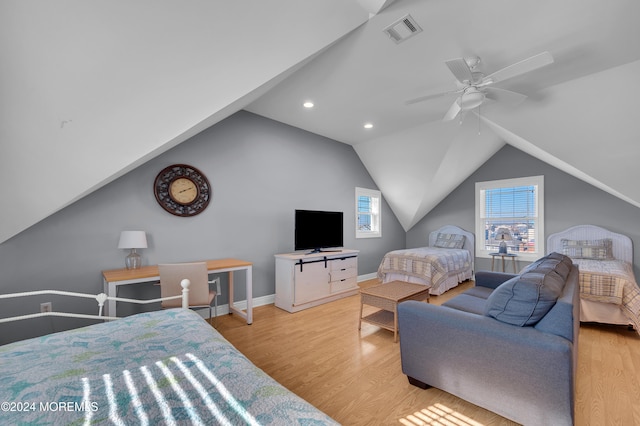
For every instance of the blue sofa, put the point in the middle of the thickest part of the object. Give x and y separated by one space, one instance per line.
509 344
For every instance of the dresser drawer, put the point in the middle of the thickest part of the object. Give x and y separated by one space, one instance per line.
343 274
339 264
343 285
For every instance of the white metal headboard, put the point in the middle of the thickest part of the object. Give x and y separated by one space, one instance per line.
469 241
100 298
622 245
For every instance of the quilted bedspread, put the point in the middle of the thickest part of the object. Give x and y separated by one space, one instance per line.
611 281
431 264
167 367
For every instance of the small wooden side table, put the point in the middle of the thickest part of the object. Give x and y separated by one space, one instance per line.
503 255
386 297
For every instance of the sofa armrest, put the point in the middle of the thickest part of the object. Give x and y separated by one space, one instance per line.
507 369
492 279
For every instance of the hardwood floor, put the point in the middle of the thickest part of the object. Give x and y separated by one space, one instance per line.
356 378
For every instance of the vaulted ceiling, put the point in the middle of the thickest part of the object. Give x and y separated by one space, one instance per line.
91 90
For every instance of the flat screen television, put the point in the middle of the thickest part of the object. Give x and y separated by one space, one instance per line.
316 230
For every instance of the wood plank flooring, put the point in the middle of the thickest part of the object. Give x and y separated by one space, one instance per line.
356 378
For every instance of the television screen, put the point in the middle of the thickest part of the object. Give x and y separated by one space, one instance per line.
317 229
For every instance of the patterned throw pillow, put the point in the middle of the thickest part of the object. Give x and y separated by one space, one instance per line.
454 241
588 249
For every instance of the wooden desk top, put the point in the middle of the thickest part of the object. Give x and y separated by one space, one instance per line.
152 270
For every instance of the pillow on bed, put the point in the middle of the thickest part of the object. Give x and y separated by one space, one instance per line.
588 249
453 241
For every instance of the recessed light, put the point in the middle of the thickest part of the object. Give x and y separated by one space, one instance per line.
308 104
368 126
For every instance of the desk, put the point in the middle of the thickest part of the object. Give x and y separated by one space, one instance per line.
503 255
115 277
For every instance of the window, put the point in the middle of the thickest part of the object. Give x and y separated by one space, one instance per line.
513 210
368 204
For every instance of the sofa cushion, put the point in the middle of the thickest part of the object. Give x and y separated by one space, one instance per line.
519 302
561 263
467 303
482 292
525 299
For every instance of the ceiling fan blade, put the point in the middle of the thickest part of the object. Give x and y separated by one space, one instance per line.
522 67
453 112
427 97
460 69
504 96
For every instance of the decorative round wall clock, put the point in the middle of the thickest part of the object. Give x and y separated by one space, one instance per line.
182 190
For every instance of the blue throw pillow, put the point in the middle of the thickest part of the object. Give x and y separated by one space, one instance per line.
525 299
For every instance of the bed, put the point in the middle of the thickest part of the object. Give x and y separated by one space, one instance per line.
445 263
162 367
609 293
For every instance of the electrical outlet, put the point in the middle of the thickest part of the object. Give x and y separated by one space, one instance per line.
46 307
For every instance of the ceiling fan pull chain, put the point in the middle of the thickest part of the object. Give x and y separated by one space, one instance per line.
478 119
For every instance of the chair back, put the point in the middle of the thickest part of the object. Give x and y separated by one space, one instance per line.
171 274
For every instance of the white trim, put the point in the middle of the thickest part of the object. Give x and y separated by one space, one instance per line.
366 277
538 181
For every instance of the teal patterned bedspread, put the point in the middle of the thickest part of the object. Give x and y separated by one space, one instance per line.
167 367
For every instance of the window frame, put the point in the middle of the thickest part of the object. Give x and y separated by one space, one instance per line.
376 217
538 182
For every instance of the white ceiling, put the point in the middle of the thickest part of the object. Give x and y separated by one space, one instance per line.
90 90
579 115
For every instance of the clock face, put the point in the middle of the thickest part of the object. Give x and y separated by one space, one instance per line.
182 190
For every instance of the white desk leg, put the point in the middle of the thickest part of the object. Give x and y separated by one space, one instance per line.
249 279
248 314
110 290
232 308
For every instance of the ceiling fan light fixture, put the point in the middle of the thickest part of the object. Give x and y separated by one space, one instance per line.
470 99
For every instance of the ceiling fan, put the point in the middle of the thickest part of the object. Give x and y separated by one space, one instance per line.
473 87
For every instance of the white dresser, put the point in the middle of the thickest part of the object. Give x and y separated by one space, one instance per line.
306 280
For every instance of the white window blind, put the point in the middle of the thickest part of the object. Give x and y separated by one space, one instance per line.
510 209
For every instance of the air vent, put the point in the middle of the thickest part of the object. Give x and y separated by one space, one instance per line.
402 29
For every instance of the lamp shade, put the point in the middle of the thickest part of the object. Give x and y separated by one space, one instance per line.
503 234
132 239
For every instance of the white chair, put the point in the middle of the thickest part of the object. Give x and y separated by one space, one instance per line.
200 295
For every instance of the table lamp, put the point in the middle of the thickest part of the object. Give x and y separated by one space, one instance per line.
503 235
133 240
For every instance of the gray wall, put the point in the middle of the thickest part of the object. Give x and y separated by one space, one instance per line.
260 171
568 202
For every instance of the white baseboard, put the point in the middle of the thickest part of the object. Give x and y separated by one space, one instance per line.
241 304
366 277
263 300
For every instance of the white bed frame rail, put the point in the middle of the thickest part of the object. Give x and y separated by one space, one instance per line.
100 298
